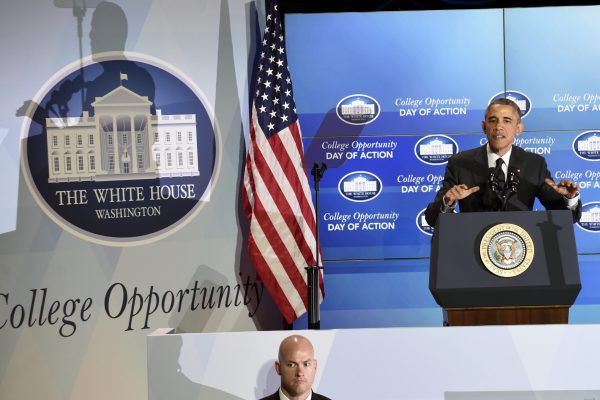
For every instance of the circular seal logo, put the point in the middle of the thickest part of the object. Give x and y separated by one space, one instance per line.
520 98
506 250
435 149
587 145
120 150
358 109
422 223
590 217
360 186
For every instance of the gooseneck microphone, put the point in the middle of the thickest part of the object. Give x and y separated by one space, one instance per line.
514 176
503 190
493 180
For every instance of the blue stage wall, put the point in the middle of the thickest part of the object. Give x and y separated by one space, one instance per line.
385 98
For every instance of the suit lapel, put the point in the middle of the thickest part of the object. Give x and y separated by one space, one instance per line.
517 158
481 156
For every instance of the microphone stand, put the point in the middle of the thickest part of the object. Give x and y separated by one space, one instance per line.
495 186
510 187
312 271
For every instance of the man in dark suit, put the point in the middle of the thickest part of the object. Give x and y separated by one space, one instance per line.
482 179
297 367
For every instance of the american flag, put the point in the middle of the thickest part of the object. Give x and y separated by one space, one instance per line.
276 194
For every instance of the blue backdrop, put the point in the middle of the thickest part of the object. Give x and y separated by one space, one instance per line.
384 98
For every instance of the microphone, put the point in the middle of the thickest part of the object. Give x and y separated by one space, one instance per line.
493 179
317 172
514 176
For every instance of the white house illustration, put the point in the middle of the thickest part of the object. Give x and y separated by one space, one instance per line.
435 147
590 144
592 215
358 107
123 141
360 184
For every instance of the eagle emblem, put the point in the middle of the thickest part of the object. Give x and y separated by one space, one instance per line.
506 250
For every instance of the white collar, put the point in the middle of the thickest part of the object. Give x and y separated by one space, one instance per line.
284 397
492 157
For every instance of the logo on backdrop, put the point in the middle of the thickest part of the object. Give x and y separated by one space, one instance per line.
587 145
358 109
520 98
422 224
120 151
590 217
360 186
435 149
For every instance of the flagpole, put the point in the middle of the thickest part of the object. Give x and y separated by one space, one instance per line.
312 271
79 13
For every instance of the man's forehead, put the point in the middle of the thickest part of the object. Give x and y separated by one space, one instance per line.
298 355
502 110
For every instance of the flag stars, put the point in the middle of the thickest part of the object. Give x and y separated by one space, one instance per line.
274 98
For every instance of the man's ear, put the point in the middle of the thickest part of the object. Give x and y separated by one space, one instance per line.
277 366
520 128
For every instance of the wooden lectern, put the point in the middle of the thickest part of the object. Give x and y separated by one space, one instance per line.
471 294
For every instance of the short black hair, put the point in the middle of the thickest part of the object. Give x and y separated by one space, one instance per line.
503 101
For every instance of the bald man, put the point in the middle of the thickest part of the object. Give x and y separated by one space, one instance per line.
297 367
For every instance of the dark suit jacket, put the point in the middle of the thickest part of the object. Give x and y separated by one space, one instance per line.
315 396
470 167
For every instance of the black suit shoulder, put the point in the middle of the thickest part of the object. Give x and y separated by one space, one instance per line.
470 153
315 396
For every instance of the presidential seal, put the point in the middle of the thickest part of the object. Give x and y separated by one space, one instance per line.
506 250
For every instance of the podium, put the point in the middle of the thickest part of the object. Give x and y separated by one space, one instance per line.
469 289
